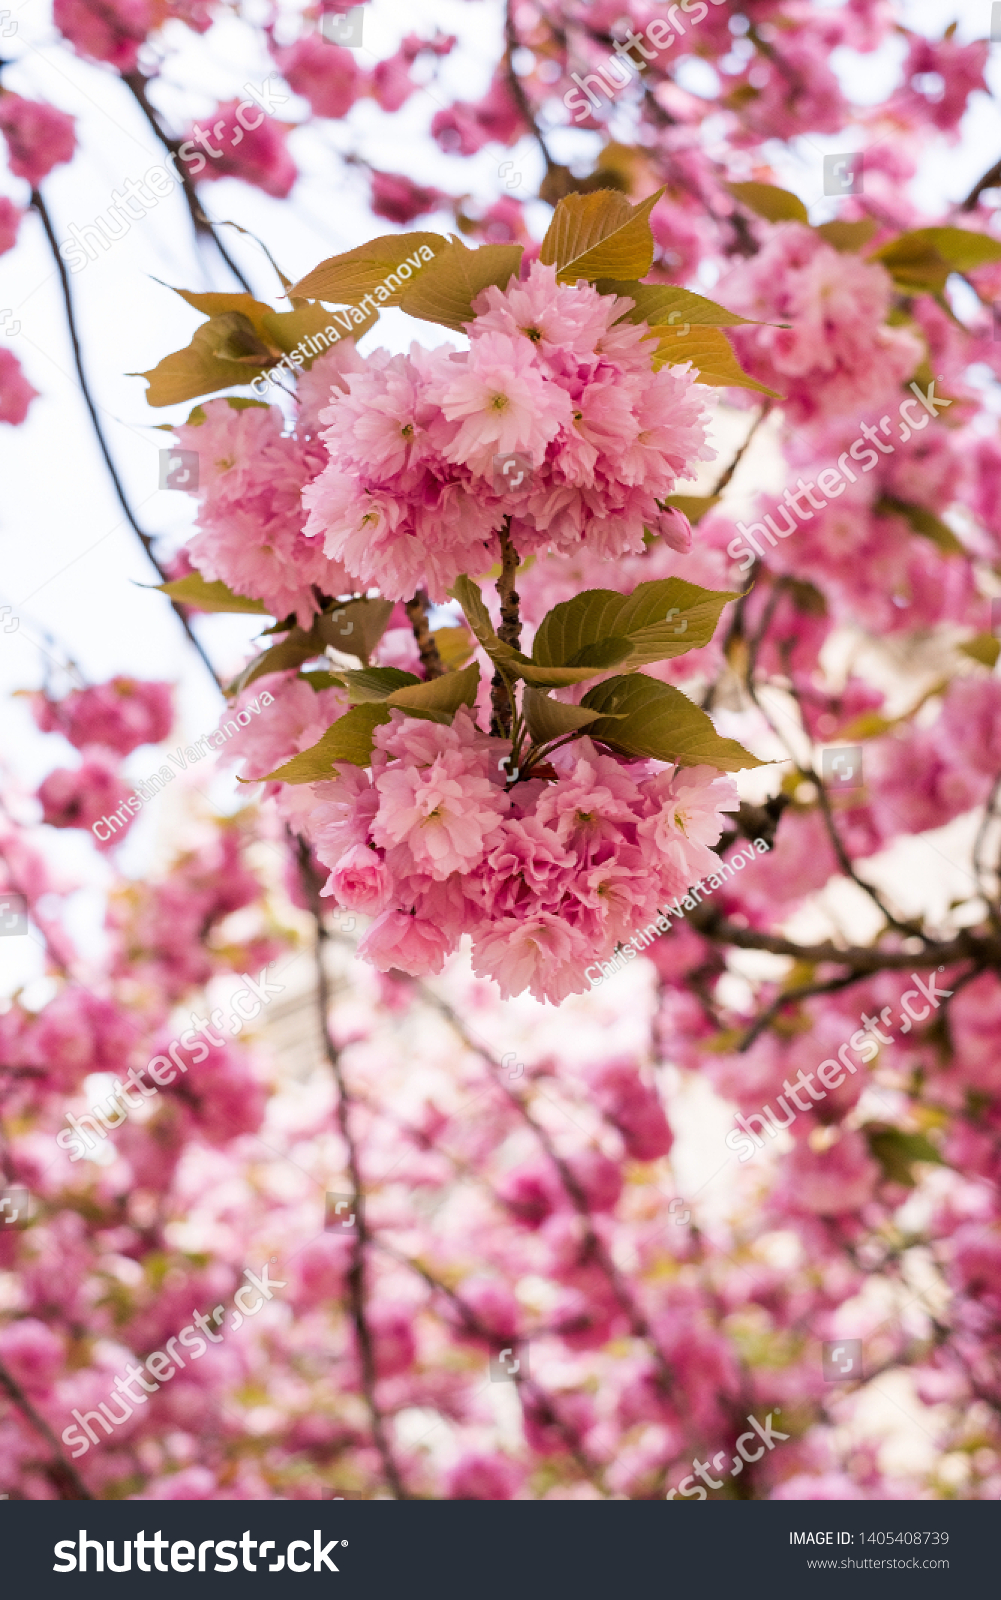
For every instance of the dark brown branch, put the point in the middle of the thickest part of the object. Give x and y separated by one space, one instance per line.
517 88
144 538
357 1271
61 1473
417 612
990 180
509 632
136 82
861 959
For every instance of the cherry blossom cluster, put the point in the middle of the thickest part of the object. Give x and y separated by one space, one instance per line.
411 494
545 877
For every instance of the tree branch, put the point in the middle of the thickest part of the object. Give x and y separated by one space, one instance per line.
62 1474
144 538
417 611
509 632
356 1275
136 82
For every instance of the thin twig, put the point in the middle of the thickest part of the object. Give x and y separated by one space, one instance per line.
144 538
357 1273
136 82
594 1246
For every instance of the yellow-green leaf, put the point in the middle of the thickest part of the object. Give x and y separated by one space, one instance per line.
550 719
289 330
454 646
848 236
353 627
348 739
710 351
291 652
693 506
897 1151
449 284
600 235
513 663
768 201
439 698
223 352
665 305
659 620
194 590
661 723
923 258
983 647
371 684
346 279
924 522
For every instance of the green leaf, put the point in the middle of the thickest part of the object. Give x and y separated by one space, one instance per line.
445 291
923 258
848 236
223 353
693 506
660 620
347 278
353 626
600 235
664 304
348 739
289 329
983 647
602 654
291 652
550 719
371 684
768 201
194 590
897 1151
439 699
710 351
321 680
924 522
454 646
661 723
512 662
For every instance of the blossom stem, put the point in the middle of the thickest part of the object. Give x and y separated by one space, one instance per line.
417 612
501 690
